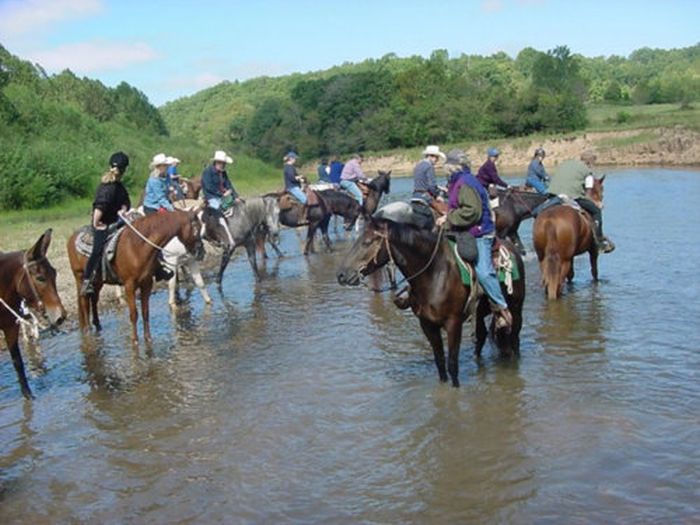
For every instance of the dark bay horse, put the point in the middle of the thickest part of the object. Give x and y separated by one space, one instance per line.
437 296
374 190
559 234
514 206
27 276
318 217
135 263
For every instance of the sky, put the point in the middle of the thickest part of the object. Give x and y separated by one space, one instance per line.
176 48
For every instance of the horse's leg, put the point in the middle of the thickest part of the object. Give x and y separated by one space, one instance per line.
12 341
310 233
566 269
172 289
130 292
225 258
250 250
276 248
570 275
146 289
482 310
196 274
94 300
593 256
83 308
432 332
324 231
454 339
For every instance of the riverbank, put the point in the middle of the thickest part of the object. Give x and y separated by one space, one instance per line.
669 147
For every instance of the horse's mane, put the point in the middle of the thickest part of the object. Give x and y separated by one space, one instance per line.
407 234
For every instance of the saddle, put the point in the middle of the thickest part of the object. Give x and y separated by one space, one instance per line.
287 201
83 245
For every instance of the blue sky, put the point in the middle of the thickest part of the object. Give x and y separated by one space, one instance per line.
175 48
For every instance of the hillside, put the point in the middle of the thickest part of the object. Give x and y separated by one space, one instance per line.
392 102
58 131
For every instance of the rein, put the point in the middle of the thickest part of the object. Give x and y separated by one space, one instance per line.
385 238
145 239
32 325
514 195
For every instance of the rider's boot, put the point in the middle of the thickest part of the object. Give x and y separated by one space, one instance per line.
604 244
86 288
504 319
163 273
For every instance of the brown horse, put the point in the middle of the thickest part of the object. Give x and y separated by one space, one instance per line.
135 263
437 296
514 206
559 234
193 186
27 276
373 191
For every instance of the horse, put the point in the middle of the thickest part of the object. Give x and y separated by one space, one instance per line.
245 224
373 191
514 206
192 187
317 217
135 263
437 296
27 276
560 233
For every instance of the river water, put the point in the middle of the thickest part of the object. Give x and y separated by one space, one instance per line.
294 400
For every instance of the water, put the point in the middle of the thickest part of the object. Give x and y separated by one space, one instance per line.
294 400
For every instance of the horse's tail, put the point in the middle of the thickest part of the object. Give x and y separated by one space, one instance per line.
551 263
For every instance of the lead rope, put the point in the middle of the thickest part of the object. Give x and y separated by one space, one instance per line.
32 326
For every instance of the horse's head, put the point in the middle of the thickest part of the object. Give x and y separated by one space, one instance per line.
594 190
383 181
38 283
190 233
367 254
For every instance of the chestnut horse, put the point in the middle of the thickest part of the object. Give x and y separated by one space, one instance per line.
27 276
559 234
437 296
135 263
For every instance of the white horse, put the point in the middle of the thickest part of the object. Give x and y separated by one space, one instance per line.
175 256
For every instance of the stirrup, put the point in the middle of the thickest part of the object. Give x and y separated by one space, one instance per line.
86 288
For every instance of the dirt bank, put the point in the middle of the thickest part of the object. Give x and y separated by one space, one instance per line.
662 146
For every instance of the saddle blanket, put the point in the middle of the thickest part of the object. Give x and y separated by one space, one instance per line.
504 261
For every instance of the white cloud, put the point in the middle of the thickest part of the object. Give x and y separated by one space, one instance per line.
23 16
90 57
491 6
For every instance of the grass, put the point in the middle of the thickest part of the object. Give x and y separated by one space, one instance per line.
607 117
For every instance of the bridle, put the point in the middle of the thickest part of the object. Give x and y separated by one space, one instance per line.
384 235
30 280
32 325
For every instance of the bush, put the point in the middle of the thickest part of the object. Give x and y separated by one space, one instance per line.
622 117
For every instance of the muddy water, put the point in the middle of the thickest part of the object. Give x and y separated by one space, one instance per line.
296 400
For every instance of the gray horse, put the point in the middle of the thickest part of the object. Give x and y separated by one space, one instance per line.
241 228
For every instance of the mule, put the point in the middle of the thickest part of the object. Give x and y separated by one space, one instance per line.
514 206
559 234
135 263
437 295
27 276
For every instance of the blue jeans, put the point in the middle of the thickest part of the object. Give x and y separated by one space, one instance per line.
486 273
214 203
295 191
350 186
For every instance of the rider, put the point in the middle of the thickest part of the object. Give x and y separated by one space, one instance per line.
292 179
157 190
111 199
352 174
219 193
470 215
173 178
425 186
537 177
324 171
488 172
336 170
571 179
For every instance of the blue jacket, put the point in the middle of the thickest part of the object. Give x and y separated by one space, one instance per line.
214 184
157 193
486 225
336 171
537 177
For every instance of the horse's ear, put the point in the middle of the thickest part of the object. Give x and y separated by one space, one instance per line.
602 179
388 173
38 251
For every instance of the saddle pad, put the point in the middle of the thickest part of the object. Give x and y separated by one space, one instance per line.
83 241
311 198
322 186
465 269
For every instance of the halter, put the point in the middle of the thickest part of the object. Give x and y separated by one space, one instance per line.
392 263
32 325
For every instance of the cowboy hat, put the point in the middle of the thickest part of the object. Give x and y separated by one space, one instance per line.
173 160
159 160
220 156
434 151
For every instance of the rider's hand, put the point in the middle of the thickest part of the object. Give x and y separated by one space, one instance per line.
442 219
227 193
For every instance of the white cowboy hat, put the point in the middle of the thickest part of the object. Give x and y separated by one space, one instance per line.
220 156
172 160
433 150
159 160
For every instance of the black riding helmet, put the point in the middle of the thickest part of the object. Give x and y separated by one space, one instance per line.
119 160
